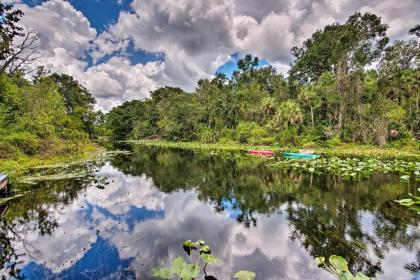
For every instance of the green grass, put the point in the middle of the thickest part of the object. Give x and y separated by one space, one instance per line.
345 150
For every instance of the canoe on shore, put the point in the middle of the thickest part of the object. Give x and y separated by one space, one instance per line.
300 155
261 153
4 179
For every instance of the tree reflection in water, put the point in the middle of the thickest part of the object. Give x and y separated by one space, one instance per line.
357 220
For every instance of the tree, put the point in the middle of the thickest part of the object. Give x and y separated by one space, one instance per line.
309 97
415 30
18 49
340 48
289 113
77 99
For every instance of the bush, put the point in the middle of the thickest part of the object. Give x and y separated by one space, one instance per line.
25 141
227 136
334 141
7 150
74 135
405 140
253 133
288 136
206 135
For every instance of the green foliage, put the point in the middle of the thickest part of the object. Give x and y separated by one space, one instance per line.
34 119
244 275
253 133
28 143
338 266
288 136
414 202
179 267
352 168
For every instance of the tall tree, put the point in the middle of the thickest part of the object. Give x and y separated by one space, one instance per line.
340 48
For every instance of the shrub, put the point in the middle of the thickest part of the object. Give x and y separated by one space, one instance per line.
206 135
227 136
288 136
7 150
25 141
74 135
253 133
334 141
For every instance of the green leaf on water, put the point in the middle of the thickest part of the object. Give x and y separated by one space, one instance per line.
320 260
189 246
205 250
405 202
163 273
346 276
244 275
210 259
405 177
177 265
339 263
189 271
361 276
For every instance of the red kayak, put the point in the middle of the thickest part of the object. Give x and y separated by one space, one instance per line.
261 153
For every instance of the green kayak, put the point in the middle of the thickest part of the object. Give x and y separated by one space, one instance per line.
300 155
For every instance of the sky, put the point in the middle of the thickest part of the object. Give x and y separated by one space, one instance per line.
122 49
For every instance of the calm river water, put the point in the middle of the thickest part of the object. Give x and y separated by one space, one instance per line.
268 221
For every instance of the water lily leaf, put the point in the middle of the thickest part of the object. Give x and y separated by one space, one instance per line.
189 271
346 276
163 273
244 275
405 177
201 242
177 265
361 276
319 260
189 246
339 263
405 202
210 259
205 250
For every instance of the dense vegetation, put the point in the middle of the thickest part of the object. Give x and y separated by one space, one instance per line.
40 113
347 84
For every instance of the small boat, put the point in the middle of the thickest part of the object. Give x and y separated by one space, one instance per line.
4 179
261 153
300 155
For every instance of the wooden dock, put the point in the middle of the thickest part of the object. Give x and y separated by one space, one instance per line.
4 180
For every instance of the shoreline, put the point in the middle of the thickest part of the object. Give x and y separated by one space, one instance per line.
15 168
349 150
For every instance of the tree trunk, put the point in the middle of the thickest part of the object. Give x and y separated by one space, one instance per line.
312 117
342 71
381 132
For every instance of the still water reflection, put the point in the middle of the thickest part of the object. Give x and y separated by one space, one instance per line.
268 221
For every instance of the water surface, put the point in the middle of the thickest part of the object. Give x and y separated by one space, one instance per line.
255 218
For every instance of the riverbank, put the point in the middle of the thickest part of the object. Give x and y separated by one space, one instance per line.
347 150
16 167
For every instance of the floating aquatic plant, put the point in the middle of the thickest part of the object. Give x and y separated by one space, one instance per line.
413 203
199 262
352 168
338 266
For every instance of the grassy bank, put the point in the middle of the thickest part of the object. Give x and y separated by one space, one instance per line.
348 150
18 166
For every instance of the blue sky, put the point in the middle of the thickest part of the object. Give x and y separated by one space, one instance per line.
101 13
